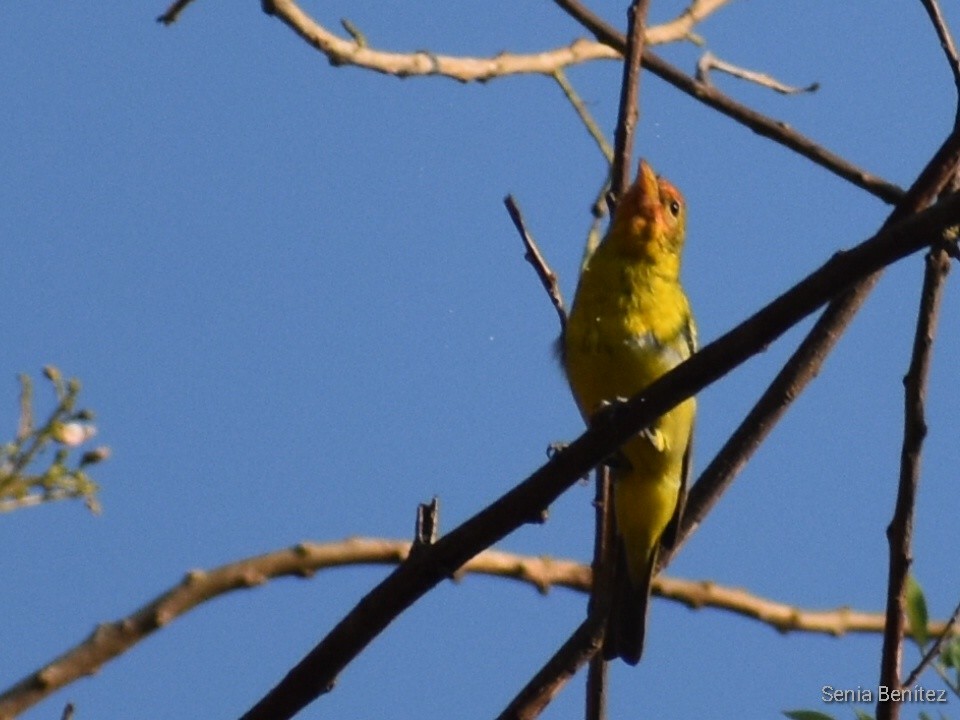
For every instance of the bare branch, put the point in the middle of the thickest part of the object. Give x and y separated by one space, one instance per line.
582 645
173 12
629 111
340 51
464 69
585 117
709 61
900 530
548 278
601 592
947 43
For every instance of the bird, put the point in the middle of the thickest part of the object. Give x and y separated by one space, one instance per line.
629 324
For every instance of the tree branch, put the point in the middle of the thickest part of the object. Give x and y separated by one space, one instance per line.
709 61
548 278
172 13
585 117
946 42
580 647
305 559
601 592
900 530
806 362
629 111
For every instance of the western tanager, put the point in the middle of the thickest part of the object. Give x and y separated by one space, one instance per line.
631 323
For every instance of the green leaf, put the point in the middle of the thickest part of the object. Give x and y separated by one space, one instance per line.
862 714
807 715
916 607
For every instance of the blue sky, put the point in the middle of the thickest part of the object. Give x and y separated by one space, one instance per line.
299 309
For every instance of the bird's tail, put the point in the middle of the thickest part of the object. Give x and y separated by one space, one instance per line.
627 622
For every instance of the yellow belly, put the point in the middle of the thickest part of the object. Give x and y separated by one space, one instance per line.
647 489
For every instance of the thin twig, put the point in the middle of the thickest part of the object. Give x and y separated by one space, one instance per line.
600 592
629 111
900 530
599 209
708 61
775 130
173 12
934 648
548 278
582 645
585 117
947 43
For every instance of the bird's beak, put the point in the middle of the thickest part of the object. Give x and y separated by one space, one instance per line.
648 191
640 204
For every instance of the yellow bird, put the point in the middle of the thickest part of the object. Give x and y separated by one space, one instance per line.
630 324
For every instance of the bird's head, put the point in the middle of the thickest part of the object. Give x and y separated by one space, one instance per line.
650 219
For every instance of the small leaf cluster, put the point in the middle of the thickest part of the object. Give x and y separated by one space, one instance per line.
49 461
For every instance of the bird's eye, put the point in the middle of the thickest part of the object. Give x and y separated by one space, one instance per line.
674 208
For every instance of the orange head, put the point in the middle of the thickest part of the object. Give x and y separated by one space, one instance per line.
650 218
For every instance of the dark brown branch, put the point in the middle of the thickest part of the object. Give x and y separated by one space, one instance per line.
600 593
318 671
900 530
582 645
946 42
629 111
805 363
775 130
173 12
548 278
